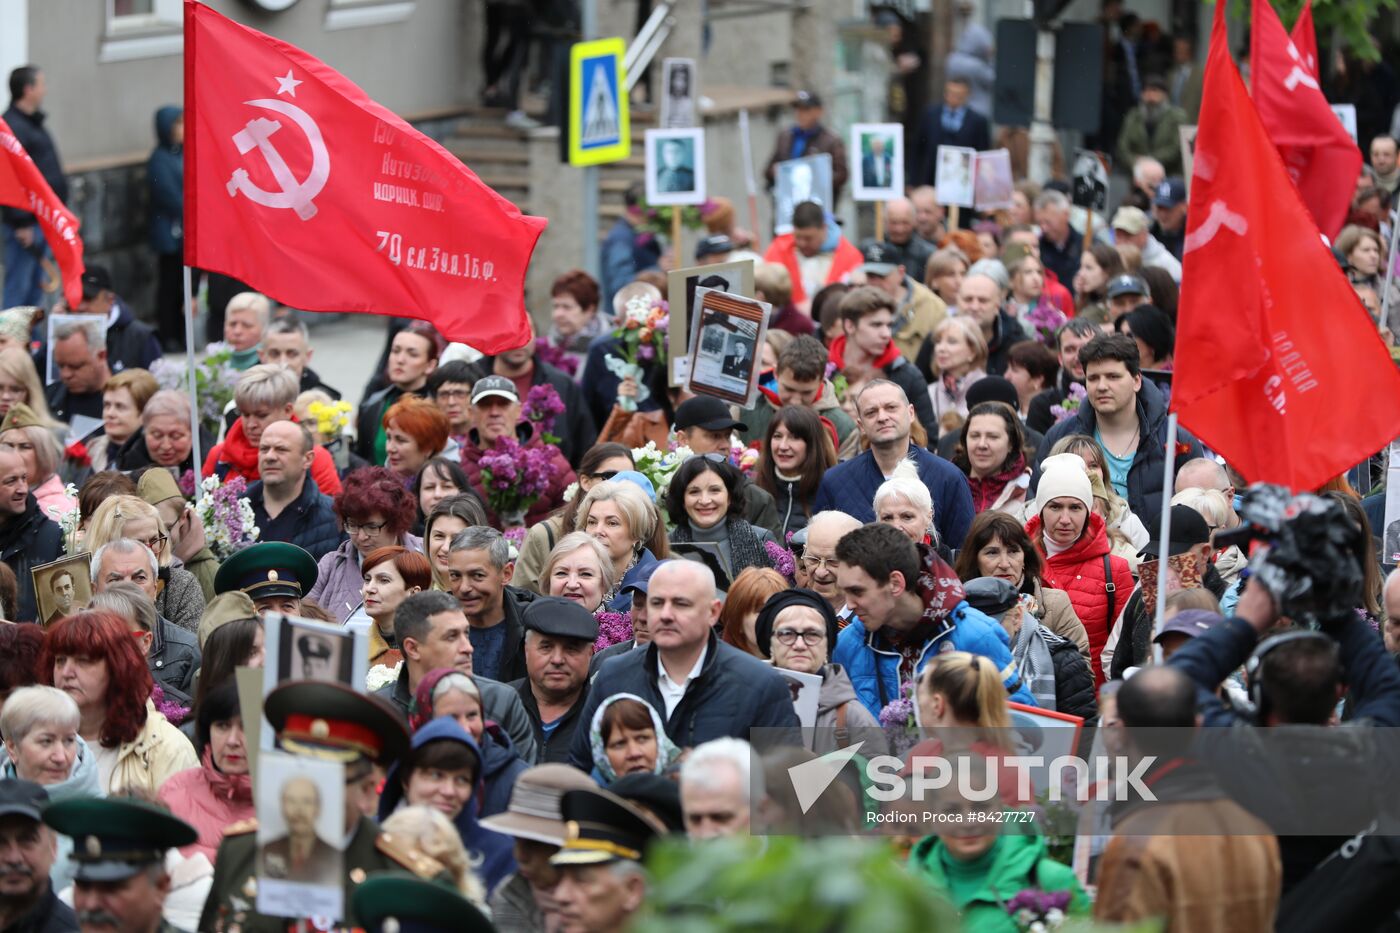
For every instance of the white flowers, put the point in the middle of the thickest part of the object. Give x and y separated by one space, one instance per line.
381 676
638 309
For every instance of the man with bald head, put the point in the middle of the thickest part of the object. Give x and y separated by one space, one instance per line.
703 688
981 298
819 557
1205 473
901 233
928 213
27 537
301 855
286 502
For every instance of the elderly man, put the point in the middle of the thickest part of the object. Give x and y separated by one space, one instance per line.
1153 127
301 854
1391 630
1132 226
559 637
1148 173
717 782
119 878
28 902
27 537
479 570
287 343
928 214
286 504
819 557
80 355
495 413
901 232
264 395
601 880
521 366
245 322
685 669
1169 212
982 297
1060 244
172 654
918 311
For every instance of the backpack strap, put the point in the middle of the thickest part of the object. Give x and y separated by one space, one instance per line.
843 734
549 533
1110 589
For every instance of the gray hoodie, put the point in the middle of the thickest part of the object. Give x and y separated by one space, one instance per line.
81 782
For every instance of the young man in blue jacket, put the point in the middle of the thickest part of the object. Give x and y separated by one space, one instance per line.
908 606
884 415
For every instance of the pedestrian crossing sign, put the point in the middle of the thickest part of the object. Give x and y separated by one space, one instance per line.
599 128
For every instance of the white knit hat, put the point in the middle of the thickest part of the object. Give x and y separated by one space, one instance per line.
1063 475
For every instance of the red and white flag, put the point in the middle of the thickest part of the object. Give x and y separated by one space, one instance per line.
301 186
22 186
1322 159
1278 366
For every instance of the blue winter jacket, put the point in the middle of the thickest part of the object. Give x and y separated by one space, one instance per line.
873 664
850 487
493 851
622 602
165 174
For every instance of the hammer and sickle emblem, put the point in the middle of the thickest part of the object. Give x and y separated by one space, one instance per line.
1300 73
297 195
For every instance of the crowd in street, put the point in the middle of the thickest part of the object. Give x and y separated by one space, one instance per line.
582 591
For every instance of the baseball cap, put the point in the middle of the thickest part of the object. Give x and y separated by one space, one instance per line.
880 258
1126 285
807 99
641 581
499 386
705 411
1170 193
1188 530
96 279
1131 220
1189 622
24 798
715 245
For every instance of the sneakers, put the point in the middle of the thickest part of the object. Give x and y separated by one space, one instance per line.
519 120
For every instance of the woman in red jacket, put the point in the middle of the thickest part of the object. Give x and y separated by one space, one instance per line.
1074 543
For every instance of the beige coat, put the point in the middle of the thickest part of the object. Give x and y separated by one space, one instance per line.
1057 614
534 552
147 761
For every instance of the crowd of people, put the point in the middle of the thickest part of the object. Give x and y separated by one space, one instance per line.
586 596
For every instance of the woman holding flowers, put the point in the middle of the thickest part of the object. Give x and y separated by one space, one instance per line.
622 517
376 511
635 360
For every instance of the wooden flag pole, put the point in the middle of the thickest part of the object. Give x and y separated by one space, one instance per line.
1088 229
676 235
953 217
879 220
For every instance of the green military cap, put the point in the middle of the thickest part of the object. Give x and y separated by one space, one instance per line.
392 902
114 839
20 415
272 568
330 721
602 827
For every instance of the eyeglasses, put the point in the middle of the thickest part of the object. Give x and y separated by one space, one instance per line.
603 476
447 394
369 528
789 636
156 543
813 564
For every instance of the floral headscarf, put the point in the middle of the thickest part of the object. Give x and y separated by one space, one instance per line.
666 750
420 713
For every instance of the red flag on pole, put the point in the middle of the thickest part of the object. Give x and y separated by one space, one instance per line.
23 186
1321 158
301 186
1278 366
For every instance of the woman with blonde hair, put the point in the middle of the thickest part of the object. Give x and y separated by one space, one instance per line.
431 833
965 691
579 569
19 383
623 518
960 358
180 598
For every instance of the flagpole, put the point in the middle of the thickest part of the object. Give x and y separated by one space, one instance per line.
1164 538
195 462
1389 272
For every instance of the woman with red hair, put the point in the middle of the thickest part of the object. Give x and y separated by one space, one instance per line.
376 510
92 657
391 575
415 431
574 318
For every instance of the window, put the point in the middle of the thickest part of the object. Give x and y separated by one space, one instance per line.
352 14
141 29
125 16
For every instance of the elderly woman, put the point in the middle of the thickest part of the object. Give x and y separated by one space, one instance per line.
580 569
42 745
903 501
705 502
960 356
24 431
188 541
574 318
124 397
627 736
164 438
599 463
219 792
181 599
448 518
415 431
625 521
92 657
376 510
391 575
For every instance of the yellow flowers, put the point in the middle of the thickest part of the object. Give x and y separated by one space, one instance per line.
330 419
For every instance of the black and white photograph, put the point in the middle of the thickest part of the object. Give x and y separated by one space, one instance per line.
678 104
736 278
994 185
675 167
799 181
877 161
1391 552
302 649
727 332
62 587
1090 185
955 181
301 825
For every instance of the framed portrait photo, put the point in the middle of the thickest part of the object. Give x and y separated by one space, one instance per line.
675 166
993 185
877 161
798 181
736 278
726 340
1089 188
678 104
1045 733
301 830
61 587
955 181
302 649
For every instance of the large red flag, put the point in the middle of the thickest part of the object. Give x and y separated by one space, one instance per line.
301 186
22 185
1322 159
1278 366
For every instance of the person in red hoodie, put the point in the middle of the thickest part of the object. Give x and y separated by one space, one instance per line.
865 350
1074 543
264 394
815 253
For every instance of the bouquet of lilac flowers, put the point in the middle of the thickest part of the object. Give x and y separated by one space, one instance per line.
613 629
1037 911
898 721
542 406
227 516
1045 320
515 477
214 378
555 356
1067 408
784 561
